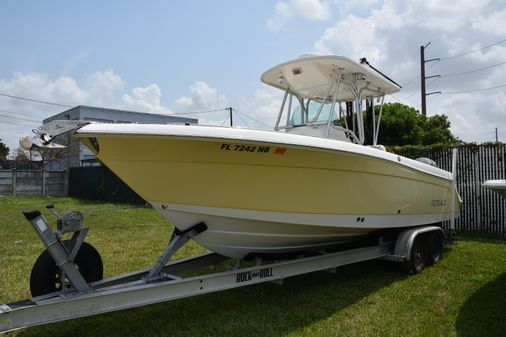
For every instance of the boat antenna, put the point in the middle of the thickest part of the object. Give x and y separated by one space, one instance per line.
363 60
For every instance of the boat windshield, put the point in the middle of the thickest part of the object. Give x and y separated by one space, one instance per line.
308 113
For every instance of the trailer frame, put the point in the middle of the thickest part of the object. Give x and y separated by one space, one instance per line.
169 281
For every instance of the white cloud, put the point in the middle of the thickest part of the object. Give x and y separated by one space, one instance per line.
145 99
203 96
356 4
390 33
474 123
493 23
444 15
383 29
365 41
260 110
206 97
283 13
101 88
310 10
184 102
39 86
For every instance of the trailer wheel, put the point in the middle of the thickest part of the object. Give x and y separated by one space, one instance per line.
46 276
435 248
416 263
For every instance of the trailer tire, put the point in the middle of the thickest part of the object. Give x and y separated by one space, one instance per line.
417 260
434 248
45 276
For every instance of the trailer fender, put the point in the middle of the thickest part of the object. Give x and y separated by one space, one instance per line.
406 238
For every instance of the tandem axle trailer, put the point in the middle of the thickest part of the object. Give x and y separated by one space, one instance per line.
74 266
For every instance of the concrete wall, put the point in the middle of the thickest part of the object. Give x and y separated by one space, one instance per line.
23 182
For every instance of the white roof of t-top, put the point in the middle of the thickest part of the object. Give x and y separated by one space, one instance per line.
310 76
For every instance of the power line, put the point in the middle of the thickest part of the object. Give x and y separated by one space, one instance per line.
17 113
416 92
398 100
411 95
245 123
434 80
256 120
197 112
430 99
20 118
475 70
418 76
451 75
35 100
474 90
27 124
69 106
472 51
433 97
411 80
226 119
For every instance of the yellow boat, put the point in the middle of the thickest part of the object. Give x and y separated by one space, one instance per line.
307 185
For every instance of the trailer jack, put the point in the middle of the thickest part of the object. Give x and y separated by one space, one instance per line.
63 253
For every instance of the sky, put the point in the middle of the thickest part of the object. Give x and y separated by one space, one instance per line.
177 57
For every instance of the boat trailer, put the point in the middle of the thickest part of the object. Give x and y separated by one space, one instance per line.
77 294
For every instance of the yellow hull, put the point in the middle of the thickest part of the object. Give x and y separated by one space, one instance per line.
265 197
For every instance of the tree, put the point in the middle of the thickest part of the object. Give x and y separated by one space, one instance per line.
4 151
437 130
45 156
404 125
399 125
21 154
40 158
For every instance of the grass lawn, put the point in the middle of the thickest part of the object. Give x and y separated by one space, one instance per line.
464 295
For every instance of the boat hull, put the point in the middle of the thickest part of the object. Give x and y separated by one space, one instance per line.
237 233
273 197
498 186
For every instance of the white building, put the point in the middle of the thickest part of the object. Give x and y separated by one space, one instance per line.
77 154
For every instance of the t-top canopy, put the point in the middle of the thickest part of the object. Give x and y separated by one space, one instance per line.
311 76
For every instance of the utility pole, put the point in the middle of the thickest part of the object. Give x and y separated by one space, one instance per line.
496 136
423 78
68 144
230 111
